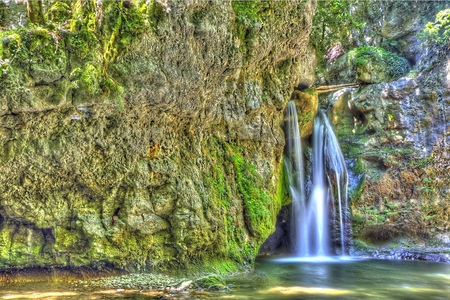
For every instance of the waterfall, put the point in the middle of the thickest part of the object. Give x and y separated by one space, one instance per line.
336 167
293 162
313 217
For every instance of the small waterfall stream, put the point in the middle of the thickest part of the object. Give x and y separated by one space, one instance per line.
314 218
293 162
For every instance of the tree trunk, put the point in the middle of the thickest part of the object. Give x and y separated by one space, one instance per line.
35 12
332 88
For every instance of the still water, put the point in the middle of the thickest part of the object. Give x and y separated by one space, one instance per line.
345 279
289 279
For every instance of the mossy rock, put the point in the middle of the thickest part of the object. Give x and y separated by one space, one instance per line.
86 82
43 55
307 103
59 12
375 64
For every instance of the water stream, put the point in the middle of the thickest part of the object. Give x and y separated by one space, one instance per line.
319 220
293 162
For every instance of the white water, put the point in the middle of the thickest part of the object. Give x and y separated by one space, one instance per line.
311 218
293 162
336 163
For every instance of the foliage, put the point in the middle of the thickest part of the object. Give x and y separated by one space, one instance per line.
438 31
393 64
331 24
246 11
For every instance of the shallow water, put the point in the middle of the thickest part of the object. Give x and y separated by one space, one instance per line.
344 279
276 278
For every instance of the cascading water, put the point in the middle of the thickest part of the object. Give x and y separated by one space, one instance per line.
336 173
293 162
313 217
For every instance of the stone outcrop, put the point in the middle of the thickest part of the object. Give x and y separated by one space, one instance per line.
392 129
394 26
170 159
395 136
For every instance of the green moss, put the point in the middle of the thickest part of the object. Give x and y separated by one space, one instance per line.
157 14
283 187
248 19
75 44
20 246
247 12
59 12
356 193
72 241
114 91
385 61
5 244
257 203
232 178
82 44
86 81
121 25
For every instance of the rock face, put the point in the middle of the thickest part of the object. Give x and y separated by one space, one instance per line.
394 130
393 26
170 161
395 135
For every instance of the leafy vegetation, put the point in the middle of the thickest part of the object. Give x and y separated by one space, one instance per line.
439 31
331 25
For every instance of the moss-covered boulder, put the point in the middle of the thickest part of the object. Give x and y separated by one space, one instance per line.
375 65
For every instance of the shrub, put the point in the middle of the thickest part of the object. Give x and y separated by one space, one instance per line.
439 30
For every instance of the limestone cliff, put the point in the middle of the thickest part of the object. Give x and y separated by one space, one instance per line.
146 134
395 131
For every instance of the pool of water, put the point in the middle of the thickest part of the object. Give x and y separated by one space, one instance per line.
344 279
284 278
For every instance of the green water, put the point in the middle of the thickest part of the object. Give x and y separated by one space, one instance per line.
357 279
274 279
